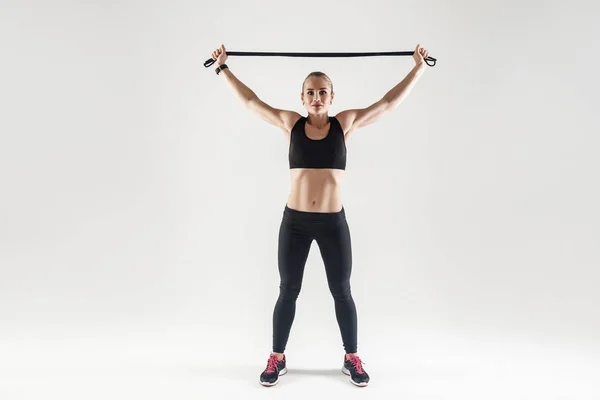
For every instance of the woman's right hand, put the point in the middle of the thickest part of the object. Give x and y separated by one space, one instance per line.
219 55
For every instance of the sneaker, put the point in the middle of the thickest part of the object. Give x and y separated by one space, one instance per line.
353 367
270 375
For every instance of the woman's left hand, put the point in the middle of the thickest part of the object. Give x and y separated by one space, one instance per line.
420 55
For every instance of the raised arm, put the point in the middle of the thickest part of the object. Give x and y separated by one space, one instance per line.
353 119
282 119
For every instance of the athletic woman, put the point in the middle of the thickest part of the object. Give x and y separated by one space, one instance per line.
314 209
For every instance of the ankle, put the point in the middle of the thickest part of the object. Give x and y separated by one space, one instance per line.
279 355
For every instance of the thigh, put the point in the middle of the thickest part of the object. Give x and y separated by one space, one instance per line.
294 246
335 246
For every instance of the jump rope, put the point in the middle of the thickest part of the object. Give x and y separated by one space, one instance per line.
429 60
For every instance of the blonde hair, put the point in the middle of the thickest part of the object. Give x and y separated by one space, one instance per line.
317 74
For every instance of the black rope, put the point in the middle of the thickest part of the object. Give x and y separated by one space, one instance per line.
429 60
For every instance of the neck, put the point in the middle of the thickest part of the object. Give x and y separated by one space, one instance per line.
318 120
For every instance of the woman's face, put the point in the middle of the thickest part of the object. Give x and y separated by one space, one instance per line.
317 95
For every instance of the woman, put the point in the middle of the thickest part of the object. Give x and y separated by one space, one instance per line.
314 209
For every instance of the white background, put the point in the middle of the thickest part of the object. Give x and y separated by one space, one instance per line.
140 202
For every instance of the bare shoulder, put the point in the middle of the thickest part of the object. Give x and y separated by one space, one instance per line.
355 118
289 119
346 119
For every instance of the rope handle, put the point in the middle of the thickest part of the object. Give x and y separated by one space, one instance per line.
429 60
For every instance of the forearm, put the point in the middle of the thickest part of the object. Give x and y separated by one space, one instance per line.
243 92
399 92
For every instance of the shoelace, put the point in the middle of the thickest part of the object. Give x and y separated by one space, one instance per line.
272 364
357 362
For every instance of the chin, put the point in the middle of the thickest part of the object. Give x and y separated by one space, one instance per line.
317 111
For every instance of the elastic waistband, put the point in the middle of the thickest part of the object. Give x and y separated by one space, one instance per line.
311 215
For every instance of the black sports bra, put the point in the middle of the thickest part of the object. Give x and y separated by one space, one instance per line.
329 152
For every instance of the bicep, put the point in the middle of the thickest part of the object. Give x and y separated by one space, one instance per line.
357 118
282 119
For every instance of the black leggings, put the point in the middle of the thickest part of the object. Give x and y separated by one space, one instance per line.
297 231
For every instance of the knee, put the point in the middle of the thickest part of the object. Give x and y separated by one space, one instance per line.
341 291
289 291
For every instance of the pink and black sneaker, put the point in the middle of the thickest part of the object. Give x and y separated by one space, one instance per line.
353 367
270 375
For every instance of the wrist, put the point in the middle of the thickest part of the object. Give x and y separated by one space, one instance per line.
220 68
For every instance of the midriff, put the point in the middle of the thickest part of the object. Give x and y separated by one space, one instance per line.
315 190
